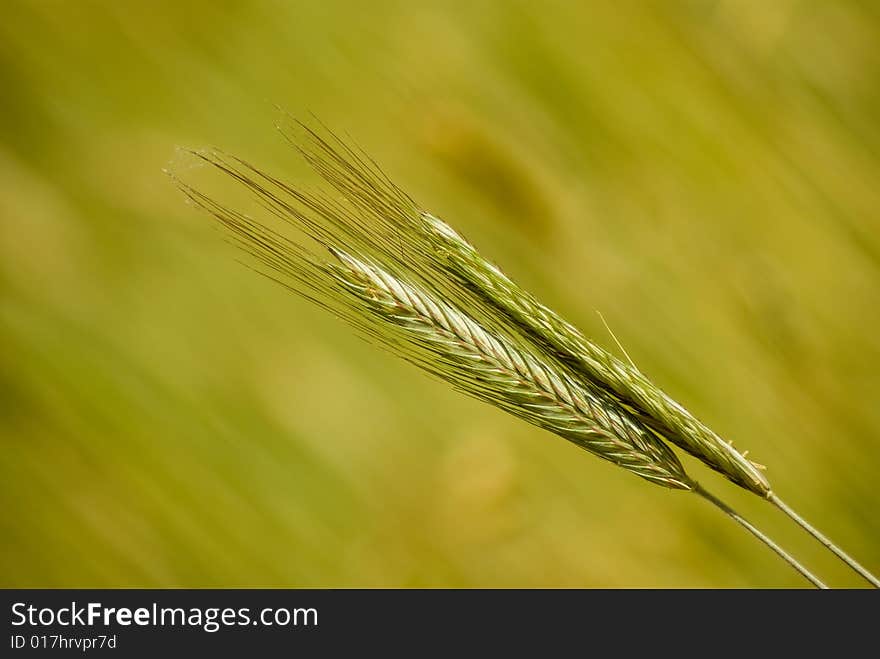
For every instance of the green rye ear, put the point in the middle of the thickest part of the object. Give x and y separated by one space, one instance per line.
408 282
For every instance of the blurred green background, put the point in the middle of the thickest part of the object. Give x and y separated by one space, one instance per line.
705 174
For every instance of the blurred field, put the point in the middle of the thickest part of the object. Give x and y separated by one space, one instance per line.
703 173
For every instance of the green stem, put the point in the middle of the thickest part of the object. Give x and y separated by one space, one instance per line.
730 512
837 551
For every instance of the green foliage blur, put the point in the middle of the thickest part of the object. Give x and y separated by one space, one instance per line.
704 174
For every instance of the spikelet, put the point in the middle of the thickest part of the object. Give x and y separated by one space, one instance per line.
434 334
435 254
453 346
591 362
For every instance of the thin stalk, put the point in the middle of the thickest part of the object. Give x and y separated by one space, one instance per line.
837 551
788 558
